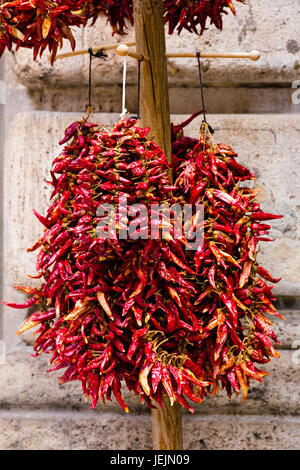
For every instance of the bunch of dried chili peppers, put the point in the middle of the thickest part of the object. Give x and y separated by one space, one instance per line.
145 311
193 15
234 297
38 24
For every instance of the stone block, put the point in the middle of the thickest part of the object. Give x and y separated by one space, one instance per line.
65 430
241 433
72 430
107 98
260 140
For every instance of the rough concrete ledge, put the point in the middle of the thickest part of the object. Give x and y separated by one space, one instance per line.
73 430
26 384
241 433
268 26
108 98
65 430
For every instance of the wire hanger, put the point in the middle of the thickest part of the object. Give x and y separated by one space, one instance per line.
98 54
139 89
202 94
137 115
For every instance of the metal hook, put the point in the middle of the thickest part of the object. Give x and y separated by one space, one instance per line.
202 94
98 54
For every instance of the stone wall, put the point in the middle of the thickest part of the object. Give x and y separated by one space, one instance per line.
250 107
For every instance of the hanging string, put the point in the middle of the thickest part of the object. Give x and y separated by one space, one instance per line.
99 54
124 110
89 106
137 115
202 94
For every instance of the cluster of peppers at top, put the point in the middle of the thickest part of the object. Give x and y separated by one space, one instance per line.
38 24
193 15
147 312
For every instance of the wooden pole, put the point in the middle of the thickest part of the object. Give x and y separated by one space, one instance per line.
150 41
155 113
167 427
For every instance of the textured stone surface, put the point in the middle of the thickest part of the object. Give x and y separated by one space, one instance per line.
245 433
269 26
36 430
71 430
106 99
260 140
26 384
288 330
183 100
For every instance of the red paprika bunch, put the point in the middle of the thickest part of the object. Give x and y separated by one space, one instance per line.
234 298
193 15
143 311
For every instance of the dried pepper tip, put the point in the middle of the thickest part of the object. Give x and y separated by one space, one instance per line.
104 304
27 325
143 378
